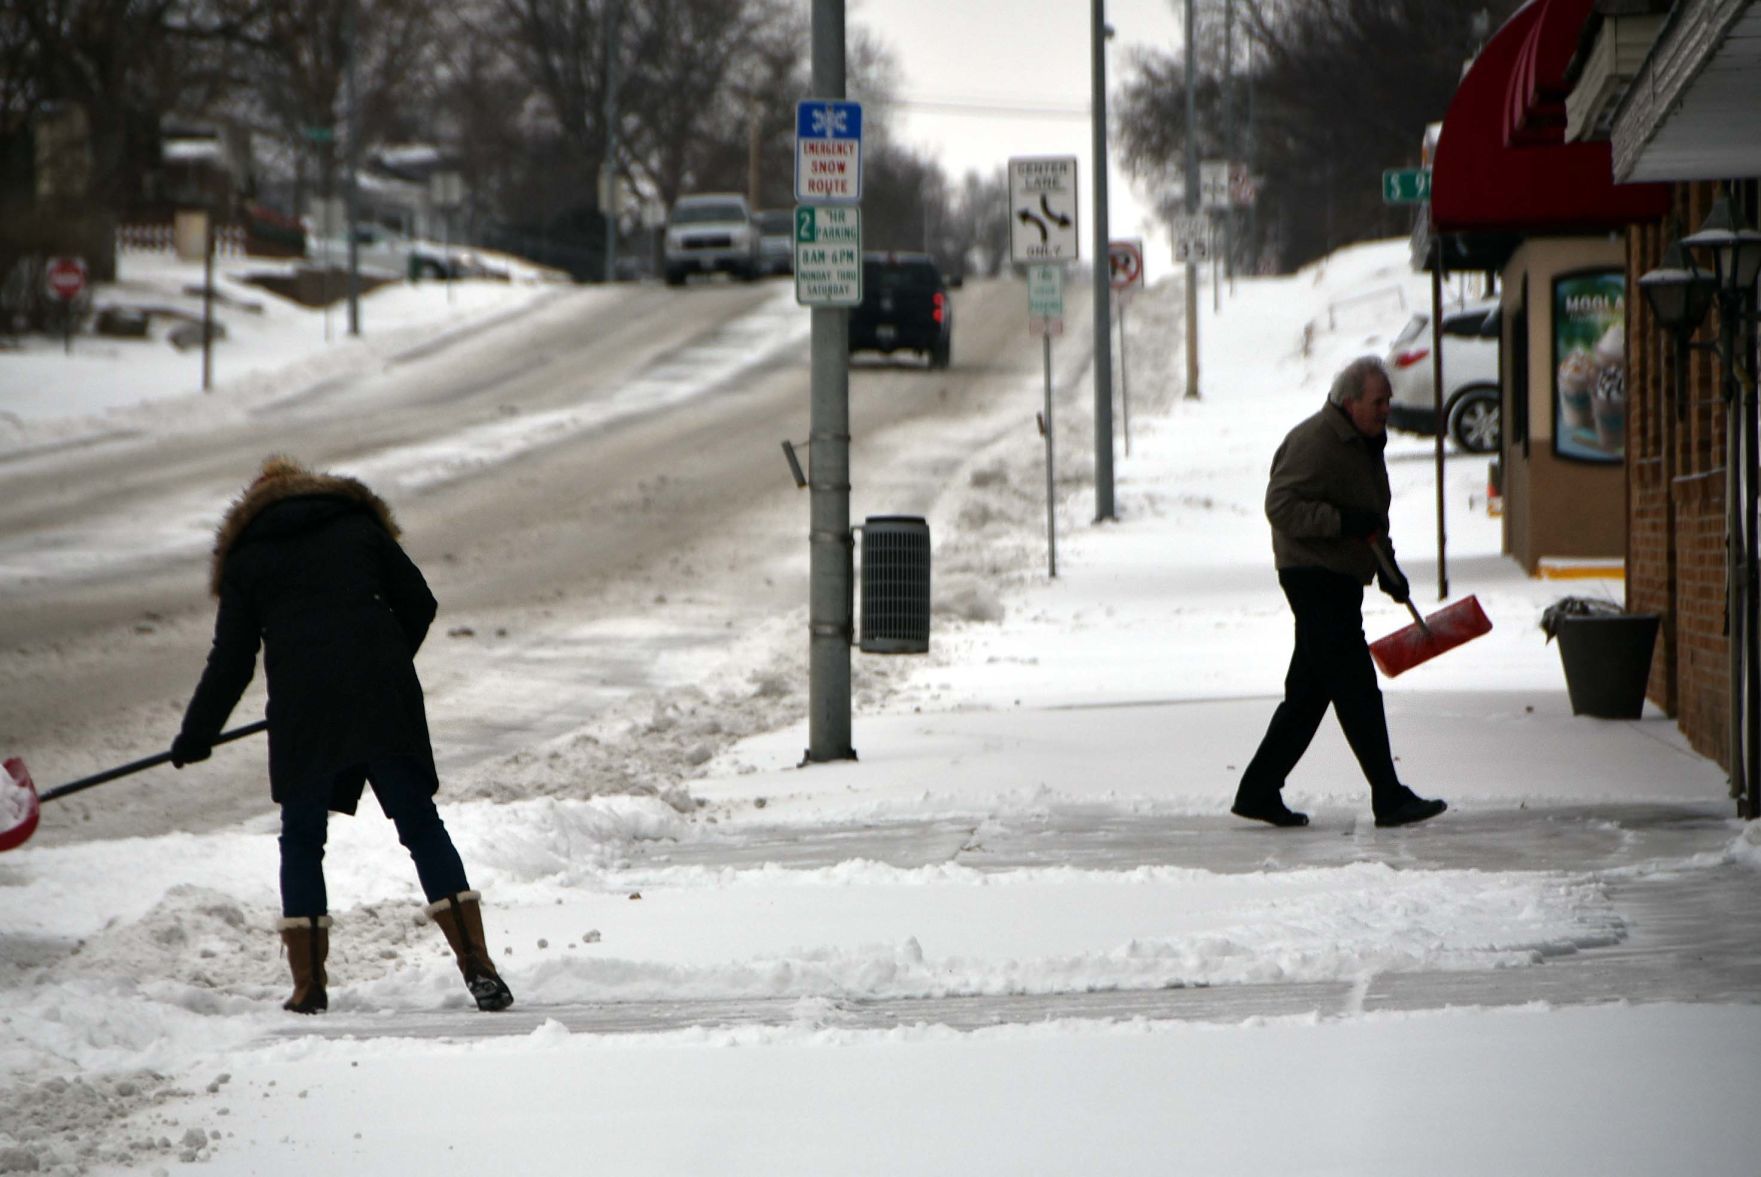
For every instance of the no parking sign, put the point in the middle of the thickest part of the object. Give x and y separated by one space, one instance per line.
1125 264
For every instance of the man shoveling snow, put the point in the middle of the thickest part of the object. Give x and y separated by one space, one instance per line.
1328 502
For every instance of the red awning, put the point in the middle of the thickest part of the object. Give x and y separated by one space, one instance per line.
1537 99
1501 164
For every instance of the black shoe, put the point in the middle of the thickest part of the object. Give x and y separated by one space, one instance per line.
1410 811
1271 810
490 991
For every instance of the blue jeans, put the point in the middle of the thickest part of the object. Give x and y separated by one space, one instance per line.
404 792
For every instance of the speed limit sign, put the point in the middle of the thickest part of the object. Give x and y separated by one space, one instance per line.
66 277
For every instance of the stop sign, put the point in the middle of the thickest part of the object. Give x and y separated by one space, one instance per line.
66 277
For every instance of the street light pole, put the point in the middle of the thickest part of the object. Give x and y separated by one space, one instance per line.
1103 310
354 158
609 170
1191 204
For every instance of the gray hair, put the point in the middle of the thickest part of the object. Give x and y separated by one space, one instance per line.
1349 384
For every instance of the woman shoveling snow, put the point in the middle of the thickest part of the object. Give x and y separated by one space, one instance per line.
308 566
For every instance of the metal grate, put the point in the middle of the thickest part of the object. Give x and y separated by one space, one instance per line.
895 585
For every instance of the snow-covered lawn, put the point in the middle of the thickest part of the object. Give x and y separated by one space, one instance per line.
1038 816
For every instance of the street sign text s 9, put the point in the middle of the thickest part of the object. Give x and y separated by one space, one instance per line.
1406 186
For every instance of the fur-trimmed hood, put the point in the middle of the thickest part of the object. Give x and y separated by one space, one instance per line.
279 480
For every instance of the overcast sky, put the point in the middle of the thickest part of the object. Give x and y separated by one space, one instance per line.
964 66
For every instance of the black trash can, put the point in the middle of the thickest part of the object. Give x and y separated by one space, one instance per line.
1607 662
895 585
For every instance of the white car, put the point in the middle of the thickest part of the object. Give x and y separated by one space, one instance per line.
709 232
380 251
776 240
1471 406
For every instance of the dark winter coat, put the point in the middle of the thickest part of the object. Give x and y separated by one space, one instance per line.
1324 466
309 566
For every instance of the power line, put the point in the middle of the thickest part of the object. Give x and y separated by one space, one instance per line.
988 108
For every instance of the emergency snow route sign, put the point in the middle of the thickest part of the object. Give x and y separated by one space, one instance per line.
828 152
1042 209
828 255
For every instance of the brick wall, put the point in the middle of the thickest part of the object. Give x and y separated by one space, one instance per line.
1676 505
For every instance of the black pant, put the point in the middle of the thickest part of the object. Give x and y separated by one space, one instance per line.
1330 665
405 792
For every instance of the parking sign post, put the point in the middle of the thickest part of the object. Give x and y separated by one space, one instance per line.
828 163
1125 276
1045 318
66 279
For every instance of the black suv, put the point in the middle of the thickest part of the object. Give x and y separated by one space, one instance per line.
905 307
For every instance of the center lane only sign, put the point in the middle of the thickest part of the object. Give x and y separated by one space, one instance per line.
828 255
1042 209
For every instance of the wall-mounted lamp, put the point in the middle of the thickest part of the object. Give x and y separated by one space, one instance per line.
1677 292
1733 245
1681 290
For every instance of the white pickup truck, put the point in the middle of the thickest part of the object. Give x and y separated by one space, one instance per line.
709 232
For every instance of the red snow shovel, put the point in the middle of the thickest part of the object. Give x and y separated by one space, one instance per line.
20 806
1426 637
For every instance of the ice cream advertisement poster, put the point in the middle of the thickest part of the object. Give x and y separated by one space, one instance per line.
1589 366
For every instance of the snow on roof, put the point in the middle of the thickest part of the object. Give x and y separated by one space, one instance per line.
192 150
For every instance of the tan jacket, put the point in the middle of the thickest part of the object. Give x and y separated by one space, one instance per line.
1323 465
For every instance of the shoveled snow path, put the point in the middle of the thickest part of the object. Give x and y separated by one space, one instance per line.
1690 931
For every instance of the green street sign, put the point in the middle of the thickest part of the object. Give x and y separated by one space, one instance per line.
1045 291
1406 186
319 134
828 255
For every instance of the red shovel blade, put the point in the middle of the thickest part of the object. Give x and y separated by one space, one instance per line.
1443 630
19 808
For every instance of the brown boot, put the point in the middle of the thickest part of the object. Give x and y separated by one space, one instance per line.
307 940
461 919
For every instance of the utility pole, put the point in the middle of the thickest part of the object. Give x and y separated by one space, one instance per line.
1229 139
830 546
354 157
608 200
1191 205
753 142
1103 310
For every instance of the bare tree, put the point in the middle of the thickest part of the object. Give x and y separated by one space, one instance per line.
1340 90
293 65
96 77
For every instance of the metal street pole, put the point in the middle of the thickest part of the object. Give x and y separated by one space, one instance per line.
829 542
1051 460
1229 140
1191 206
354 158
1124 378
1103 315
608 189
1437 411
208 299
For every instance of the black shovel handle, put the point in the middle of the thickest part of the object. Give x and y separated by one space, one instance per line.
110 774
1388 570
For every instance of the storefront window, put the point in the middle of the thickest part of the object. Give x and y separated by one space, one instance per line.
1589 366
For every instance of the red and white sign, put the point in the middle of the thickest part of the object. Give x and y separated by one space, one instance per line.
828 152
1125 264
66 277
